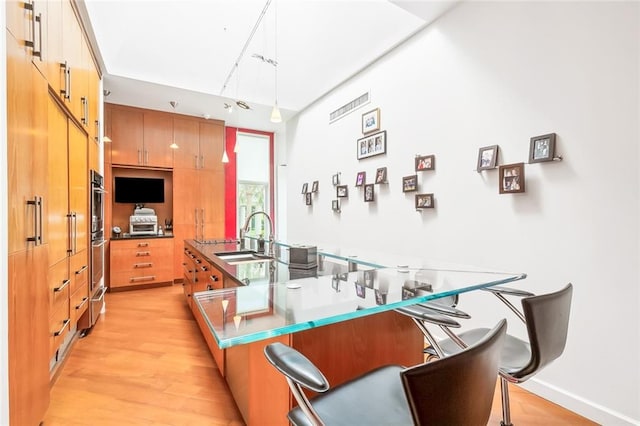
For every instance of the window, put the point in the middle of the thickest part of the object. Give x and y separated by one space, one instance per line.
253 162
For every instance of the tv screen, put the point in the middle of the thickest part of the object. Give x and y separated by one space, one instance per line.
139 190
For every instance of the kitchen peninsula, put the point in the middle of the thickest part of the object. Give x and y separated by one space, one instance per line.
340 315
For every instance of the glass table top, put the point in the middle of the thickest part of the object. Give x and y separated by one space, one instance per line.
278 300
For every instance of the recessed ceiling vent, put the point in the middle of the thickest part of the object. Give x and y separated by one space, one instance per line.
347 108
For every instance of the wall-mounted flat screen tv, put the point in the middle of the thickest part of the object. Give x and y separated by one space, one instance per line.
139 190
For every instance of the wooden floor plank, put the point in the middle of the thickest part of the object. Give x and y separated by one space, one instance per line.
146 363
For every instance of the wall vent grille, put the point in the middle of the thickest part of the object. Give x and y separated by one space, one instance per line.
348 107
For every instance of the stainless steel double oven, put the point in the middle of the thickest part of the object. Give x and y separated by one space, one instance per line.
97 288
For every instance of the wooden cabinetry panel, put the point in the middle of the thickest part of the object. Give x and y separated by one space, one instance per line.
78 303
59 326
58 184
126 135
79 265
211 141
187 156
158 135
78 187
59 284
28 323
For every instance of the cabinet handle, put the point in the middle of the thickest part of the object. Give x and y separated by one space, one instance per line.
69 87
202 161
30 7
139 157
204 269
84 120
38 53
143 253
143 265
196 216
64 325
64 66
213 278
143 244
195 161
147 278
146 157
64 284
84 300
97 136
37 220
74 240
81 270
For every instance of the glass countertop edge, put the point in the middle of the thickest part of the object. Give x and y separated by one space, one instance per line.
307 325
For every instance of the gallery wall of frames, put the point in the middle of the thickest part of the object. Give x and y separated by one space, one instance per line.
373 142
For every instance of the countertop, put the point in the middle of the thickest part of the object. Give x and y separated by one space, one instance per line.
272 299
140 237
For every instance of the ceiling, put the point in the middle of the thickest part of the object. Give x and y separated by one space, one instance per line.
200 53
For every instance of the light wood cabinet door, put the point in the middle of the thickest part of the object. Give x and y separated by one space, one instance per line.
28 304
158 135
54 54
187 156
78 188
75 87
26 149
58 220
126 136
211 197
211 138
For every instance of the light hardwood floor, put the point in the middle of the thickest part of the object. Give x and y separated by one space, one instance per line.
146 363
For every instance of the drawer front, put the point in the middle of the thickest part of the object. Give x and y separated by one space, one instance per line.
128 257
79 270
59 284
140 276
215 278
79 303
59 326
142 244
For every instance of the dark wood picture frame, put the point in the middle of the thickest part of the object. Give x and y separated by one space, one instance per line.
335 179
372 145
361 178
487 157
314 187
305 187
425 162
342 191
369 192
424 201
335 205
308 199
381 175
410 183
512 178
542 148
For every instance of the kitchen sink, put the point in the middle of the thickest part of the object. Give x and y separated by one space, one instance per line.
243 256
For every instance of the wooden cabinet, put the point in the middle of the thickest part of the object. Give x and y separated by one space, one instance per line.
141 262
200 144
27 235
140 137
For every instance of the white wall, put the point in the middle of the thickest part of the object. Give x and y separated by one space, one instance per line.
500 73
4 315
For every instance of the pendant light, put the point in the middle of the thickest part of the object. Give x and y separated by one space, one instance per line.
225 157
275 112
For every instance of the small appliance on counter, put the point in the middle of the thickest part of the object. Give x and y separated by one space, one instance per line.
143 222
303 257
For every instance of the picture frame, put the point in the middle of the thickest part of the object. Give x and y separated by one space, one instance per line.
424 201
425 162
361 178
314 187
542 148
512 178
305 186
372 145
369 278
371 121
381 298
308 199
369 192
410 183
335 179
381 175
342 191
487 157
361 290
335 205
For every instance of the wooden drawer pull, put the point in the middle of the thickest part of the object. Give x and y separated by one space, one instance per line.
147 278
143 244
143 265
143 253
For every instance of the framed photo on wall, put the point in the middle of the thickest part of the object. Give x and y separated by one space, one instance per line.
335 205
381 175
371 121
369 192
410 183
487 157
307 198
371 145
314 187
342 191
425 162
361 178
424 201
512 178
542 148
335 179
305 186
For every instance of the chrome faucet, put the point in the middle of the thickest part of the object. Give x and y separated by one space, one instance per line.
245 228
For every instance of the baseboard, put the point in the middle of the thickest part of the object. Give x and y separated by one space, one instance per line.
589 409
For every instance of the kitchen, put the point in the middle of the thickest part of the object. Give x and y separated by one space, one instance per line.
485 86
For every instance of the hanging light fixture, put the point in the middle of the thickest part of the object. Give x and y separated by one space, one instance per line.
173 144
275 112
225 157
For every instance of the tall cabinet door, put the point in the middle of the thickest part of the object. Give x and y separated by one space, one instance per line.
59 223
78 184
126 136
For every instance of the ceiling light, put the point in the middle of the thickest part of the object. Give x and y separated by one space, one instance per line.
275 114
225 157
174 146
173 104
243 105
